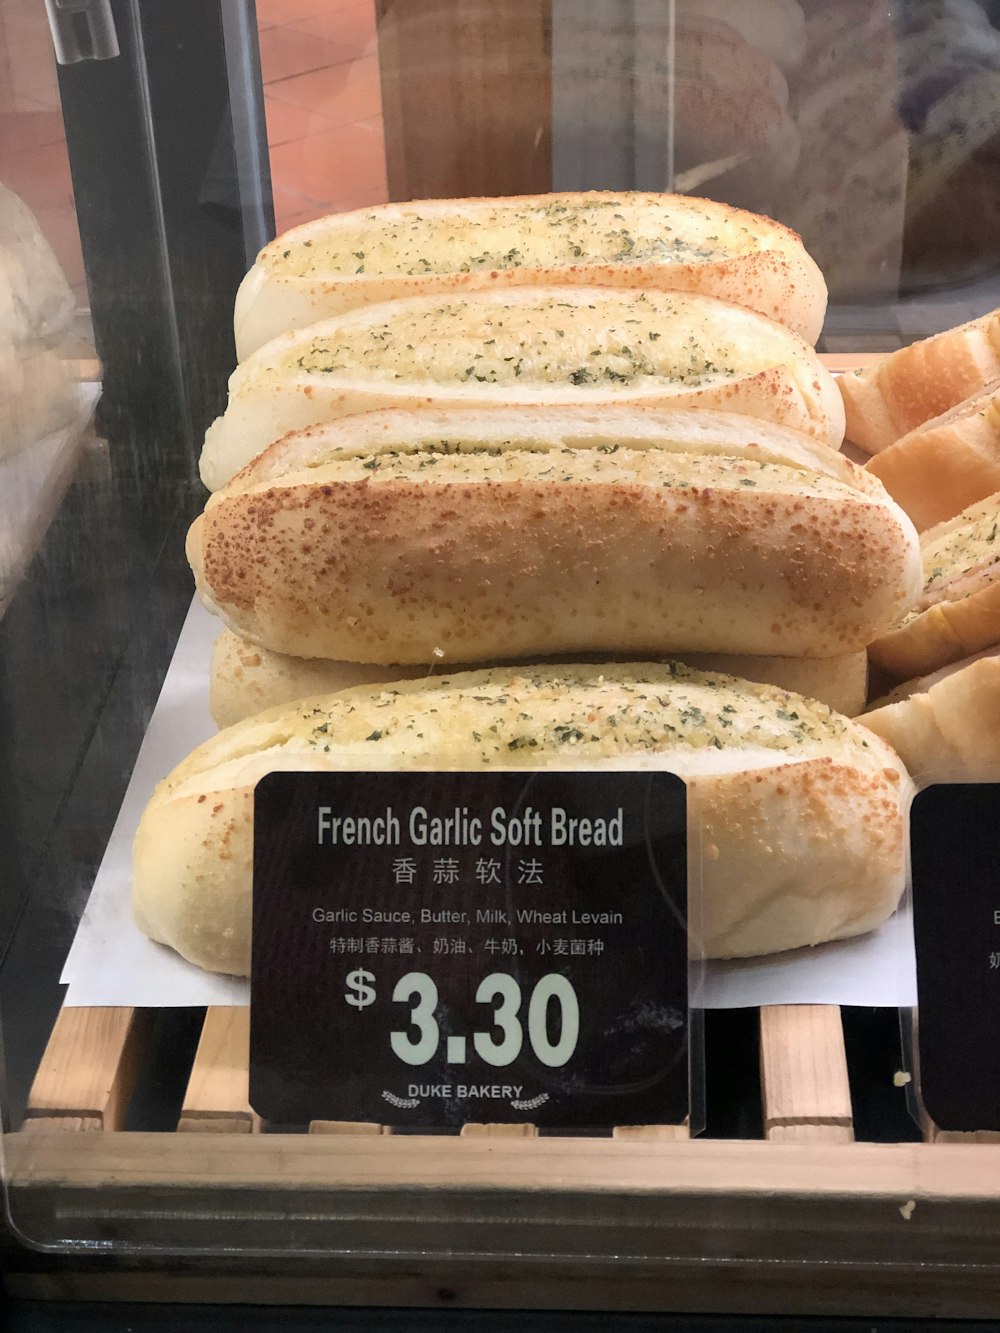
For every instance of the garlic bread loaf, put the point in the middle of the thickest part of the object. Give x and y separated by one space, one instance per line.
483 536
629 240
958 612
949 462
946 726
534 346
895 395
246 678
796 813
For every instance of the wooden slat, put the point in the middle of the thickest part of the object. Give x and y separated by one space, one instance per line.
711 1168
217 1090
852 1211
954 1136
363 1127
810 1133
803 1068
87 1073
651 1133
475 1130
64 1123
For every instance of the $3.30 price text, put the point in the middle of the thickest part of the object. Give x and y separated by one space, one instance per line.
552 1017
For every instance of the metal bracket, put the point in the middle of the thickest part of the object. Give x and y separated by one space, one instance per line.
82 30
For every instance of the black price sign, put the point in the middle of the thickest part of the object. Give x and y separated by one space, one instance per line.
436 948
955 849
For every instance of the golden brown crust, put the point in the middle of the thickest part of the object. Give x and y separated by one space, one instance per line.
358 561
830 817
946 464
800 835
907 388
945 728
771 272
958 613
946 632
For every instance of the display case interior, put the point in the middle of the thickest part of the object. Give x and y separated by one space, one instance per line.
480 373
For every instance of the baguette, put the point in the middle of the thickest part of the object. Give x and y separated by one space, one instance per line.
947 463
446 246
946 726
796 813
895 395
247 679
528 532
958 613
553 346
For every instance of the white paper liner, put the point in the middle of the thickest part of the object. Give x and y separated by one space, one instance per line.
112 963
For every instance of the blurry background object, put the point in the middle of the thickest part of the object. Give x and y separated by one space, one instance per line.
848 197
36 310
466 96
949 60
43 410
35 299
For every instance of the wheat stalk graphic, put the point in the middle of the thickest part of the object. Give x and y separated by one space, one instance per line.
403 1103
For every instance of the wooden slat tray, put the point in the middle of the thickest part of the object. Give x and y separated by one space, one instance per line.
672 1222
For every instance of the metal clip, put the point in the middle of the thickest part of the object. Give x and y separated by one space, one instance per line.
82 30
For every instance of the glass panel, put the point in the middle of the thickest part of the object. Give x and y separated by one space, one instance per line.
201 130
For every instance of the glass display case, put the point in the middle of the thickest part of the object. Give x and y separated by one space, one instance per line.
623 1130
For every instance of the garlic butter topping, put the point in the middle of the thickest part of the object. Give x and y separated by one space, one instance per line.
584 338
455 461
528 718
550 233
967 542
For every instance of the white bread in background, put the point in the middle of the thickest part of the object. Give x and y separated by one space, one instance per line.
448 246
36 302
958 613
534 346
797 812
523 533
895 395
37 395
247 679
947 463
946 726
730 109
775 27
